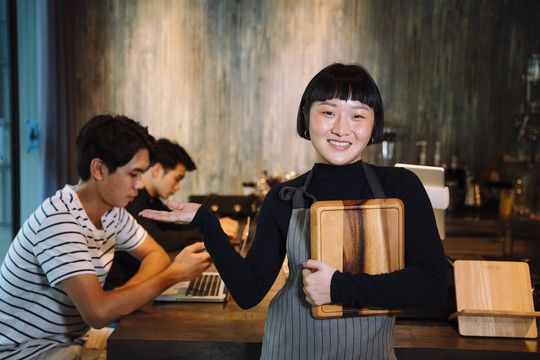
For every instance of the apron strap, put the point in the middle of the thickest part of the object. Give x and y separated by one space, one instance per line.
374 183
299 195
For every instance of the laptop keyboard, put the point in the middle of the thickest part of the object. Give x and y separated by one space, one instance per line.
205 285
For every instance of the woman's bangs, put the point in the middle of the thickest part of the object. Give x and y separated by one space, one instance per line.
363 91
345 90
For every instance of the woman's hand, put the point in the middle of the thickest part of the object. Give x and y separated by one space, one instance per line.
183 213
317 276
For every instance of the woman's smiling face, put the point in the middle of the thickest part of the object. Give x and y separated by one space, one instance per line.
340 130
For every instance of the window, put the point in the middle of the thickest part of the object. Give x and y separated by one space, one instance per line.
9 209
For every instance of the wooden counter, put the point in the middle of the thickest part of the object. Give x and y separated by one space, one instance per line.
224 331
192 331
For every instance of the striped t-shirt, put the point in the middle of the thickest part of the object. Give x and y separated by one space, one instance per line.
57 241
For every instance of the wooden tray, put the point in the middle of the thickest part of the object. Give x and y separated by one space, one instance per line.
357 236
494 298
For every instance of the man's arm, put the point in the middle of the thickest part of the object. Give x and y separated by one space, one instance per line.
153 260
99 308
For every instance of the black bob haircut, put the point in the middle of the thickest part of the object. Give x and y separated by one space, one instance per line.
344 82
169 154
113 139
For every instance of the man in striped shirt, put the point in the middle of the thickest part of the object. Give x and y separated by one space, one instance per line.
51 281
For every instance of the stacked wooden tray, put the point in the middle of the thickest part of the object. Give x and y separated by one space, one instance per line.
357 236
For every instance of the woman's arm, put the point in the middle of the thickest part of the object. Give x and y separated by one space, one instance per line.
248 279
424 279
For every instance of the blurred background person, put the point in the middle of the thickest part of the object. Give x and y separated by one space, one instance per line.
170 162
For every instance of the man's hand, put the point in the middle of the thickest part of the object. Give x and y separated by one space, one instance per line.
182 214
191 262
317 276
230 227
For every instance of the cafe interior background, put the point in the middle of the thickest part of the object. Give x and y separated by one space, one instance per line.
459 81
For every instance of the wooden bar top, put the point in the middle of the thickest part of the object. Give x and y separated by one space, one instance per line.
225 331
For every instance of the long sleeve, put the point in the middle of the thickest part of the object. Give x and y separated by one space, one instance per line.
249 279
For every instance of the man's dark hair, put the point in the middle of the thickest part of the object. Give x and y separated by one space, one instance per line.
169 154
113 139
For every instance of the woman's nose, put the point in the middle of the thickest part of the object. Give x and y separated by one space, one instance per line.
341 126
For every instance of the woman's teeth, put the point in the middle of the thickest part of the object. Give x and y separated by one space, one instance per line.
339 143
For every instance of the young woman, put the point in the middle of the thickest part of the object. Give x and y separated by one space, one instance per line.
341 113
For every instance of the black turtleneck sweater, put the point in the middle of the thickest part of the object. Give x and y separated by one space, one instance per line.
423 280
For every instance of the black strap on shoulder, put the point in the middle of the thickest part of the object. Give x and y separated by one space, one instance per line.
374 183
298 195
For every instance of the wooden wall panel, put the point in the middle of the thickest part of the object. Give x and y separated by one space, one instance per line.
224 78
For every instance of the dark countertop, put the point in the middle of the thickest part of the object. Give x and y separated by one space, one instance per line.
224 331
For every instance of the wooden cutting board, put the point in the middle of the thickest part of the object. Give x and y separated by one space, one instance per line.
494 298
357 236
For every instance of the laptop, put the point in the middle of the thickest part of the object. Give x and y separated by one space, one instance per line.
428 175
206 288
209 287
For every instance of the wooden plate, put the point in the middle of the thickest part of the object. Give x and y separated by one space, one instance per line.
357 236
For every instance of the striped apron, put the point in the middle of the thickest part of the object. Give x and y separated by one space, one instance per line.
291 331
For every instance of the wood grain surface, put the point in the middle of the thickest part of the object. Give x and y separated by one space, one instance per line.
357 236
494 298
224 331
